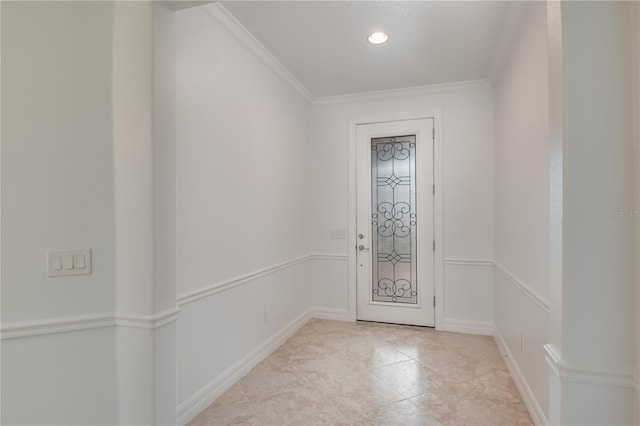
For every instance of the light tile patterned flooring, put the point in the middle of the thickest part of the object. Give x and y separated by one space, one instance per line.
345 373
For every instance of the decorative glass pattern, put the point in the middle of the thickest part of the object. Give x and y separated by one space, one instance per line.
393 219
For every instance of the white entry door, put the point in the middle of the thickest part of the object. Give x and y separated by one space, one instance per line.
395 226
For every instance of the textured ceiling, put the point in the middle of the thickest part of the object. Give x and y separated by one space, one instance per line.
324 43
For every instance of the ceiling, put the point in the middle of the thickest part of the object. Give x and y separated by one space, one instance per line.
324 43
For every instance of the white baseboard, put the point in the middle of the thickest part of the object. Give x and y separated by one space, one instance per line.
535 410
330 314
484 328
190 408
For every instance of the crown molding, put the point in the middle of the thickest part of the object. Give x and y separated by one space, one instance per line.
430 89
220 15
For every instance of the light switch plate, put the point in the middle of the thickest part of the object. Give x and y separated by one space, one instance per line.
337 234
68 262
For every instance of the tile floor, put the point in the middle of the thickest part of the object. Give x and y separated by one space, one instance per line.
343 373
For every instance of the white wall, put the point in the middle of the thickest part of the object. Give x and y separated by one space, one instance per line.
243 205
468 196
521 154
57 189
134 210
144 169
593 307
522 200
242 159
262 182
636 73
164 297
57 152
82 161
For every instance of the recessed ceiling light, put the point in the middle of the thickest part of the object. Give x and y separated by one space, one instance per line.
378 37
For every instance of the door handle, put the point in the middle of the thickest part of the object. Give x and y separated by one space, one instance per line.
363 248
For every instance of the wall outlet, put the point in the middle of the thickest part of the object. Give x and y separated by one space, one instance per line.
521 339
266 315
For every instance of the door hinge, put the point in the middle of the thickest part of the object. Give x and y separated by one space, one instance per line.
434 189
433 133
434 301
434 245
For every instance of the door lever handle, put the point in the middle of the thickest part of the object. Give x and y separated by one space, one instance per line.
363 248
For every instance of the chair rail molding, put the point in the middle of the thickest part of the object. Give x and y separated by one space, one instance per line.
192 296
14 330
468 262
527 290
573 374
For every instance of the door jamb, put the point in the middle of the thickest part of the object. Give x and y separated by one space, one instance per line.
438 205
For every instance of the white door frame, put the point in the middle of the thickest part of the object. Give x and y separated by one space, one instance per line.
438 205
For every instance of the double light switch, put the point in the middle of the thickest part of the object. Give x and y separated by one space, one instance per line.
68 262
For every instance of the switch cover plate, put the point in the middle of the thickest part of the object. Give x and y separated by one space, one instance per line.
337 234
68 262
